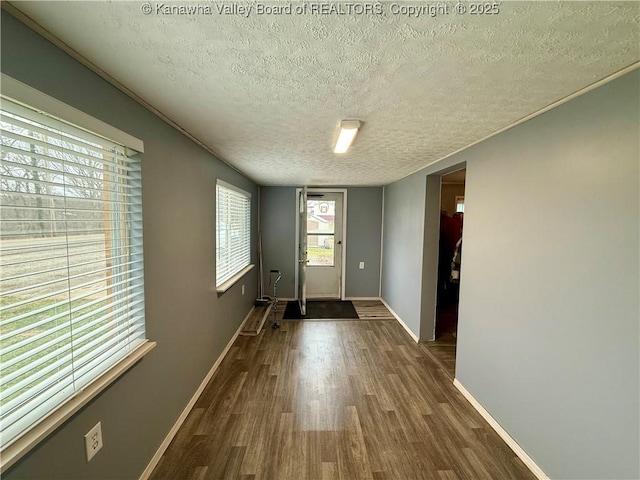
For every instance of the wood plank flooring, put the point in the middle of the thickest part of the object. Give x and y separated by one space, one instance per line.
372 310
256 320
443 348
324 400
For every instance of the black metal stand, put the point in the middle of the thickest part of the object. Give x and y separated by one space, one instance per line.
274 300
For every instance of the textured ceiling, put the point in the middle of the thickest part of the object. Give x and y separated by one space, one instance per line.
266 92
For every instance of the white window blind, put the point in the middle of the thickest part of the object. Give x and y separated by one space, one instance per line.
233 231
71 260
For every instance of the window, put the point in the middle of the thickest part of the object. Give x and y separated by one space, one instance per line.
72 295
233 233
460 204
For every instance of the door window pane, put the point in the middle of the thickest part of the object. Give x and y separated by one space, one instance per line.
321 216
320 251
320 232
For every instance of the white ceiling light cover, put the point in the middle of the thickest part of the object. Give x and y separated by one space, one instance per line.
348 132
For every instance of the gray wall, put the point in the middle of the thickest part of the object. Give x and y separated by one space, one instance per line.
279 246
190 322
548 336
430 257
402 248
364 222
364 227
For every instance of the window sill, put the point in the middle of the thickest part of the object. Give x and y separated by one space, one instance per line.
229 283
22 445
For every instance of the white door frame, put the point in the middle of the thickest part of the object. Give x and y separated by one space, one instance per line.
431 250
343 268
301 290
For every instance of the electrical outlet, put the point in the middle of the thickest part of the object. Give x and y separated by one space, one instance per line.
361 265
93 441
243 289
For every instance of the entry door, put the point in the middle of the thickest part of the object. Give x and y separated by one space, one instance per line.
302 251
324 244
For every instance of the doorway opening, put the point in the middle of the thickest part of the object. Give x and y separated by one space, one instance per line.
321 230
450 246
324 244
451 223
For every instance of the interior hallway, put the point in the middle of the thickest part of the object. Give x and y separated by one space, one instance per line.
341 399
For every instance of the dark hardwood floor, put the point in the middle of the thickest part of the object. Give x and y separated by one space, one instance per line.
344 399
443 348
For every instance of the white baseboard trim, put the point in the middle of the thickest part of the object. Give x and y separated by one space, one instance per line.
183 416
244 321
404 325
345 298
517 449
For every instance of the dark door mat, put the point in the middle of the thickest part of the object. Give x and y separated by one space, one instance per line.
320 309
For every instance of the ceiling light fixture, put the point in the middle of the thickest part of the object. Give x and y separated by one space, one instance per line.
348 131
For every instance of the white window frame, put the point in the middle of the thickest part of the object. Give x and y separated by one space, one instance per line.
233 256
68 405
